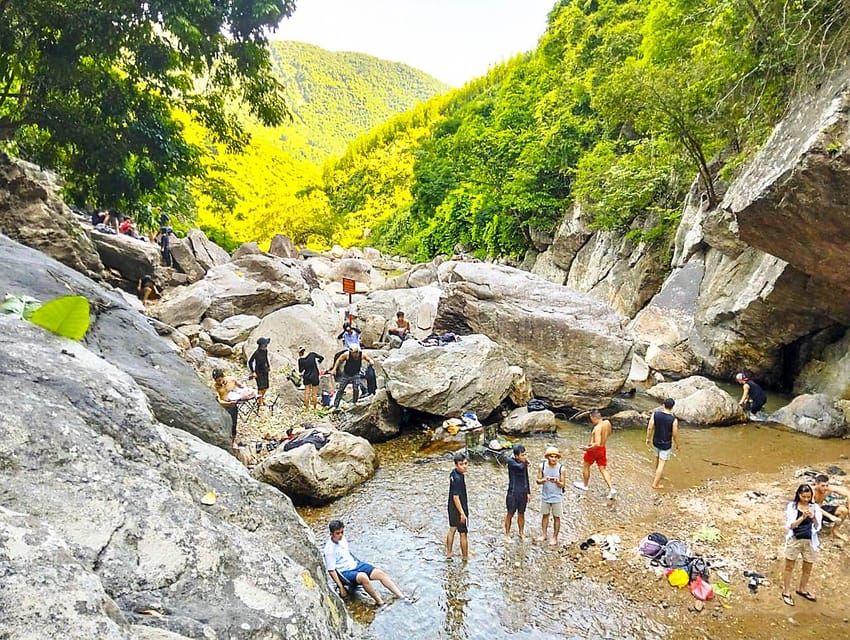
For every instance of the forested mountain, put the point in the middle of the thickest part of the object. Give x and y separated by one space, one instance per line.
622 103
275 185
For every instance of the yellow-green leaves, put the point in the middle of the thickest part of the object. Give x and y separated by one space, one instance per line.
67 316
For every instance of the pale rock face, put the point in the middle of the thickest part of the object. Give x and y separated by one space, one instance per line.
827 372
522 421
282 247
575 351
700 402
377 312
470 375
814 414
207 253
234 329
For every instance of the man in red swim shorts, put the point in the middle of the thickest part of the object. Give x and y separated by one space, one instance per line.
596 452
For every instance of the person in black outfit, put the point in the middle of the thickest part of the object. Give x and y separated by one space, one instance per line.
753 396
663 428
308 366
165 246
519 492
458 507
258 365
351 361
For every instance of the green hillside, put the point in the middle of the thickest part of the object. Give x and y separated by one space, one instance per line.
275 186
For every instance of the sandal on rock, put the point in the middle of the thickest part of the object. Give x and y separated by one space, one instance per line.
808 596
787 599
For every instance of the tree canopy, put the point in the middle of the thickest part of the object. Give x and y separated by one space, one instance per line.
91 87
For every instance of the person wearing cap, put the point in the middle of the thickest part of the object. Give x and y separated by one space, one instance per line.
351 361
258 365
552 479
308 366
519 492
402 327
753 396
596 451
663 429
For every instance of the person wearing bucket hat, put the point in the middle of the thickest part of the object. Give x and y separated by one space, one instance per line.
552 478
753 396
308 366
258 365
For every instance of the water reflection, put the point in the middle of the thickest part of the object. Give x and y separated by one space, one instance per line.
455 600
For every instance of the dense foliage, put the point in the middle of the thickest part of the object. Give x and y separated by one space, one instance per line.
620 105
90 88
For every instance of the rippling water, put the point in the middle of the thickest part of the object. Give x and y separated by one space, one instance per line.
398 521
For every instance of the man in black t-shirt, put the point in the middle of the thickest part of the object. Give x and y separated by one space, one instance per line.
519 492
663 428
458 507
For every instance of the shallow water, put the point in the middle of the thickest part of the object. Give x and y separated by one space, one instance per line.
397 521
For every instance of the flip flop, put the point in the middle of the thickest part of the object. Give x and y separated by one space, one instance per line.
787 599
808 596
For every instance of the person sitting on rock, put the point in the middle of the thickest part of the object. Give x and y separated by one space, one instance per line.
351 362
402 328
148 290
230 392
347 572
753 396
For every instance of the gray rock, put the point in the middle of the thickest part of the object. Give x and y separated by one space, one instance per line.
700 402
123 337
378 312
114 523
813 414
317 476
470 375
234 329
184 259
375 419
545 267
282 247
630 419
575 350
522 421
207 253
828 371
130 257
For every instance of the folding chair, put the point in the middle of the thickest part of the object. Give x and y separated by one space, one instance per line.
247 407
270 404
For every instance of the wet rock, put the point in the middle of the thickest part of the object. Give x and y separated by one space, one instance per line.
521 421
700 401
447 380
375 419
630 419
575 350
813 414
317 476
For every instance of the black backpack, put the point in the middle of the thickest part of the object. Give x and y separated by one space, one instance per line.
536 405
698 567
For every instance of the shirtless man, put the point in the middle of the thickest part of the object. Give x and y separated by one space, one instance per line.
835 513
230 391
402 327
595 451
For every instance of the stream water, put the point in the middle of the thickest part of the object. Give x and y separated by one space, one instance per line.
397 520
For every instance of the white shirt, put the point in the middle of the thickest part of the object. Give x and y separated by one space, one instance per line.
791 516
338 557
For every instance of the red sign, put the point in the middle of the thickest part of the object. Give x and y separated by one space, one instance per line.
348 285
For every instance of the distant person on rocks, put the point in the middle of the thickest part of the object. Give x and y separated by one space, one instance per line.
753 396
402 328
350 335
165 246
308 366
663 430
351 362
230 391
596 452
552 479
347 571
519 492
458 507
148 290
99 216
258 365
826 496
802 523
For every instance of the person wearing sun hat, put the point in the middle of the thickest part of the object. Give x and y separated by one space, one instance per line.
552 478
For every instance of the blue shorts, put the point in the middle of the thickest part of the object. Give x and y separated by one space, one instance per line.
351 576
664 454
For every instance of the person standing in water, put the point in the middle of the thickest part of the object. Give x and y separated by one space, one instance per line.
519 492
552 478
595 451
753 396
458 507
663 429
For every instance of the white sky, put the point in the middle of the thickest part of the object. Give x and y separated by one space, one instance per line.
453 40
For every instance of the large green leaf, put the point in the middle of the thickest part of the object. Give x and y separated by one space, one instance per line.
67 316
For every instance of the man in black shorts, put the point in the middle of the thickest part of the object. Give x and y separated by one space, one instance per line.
458 507
753 396
519 492
825 496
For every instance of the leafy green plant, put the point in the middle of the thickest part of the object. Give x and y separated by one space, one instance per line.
68 316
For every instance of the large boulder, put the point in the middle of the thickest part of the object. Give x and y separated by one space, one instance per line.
521 421
576 351
235 329
828 371
184 305
282 247
378 311
207 253
123 337
814 414
470 375
375 419
184 259
130 257
700 402
103 533
311 475
354 268
32 213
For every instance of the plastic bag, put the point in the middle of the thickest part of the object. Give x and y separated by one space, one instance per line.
701 589
677 577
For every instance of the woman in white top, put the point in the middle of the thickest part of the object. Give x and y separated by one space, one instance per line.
802 522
